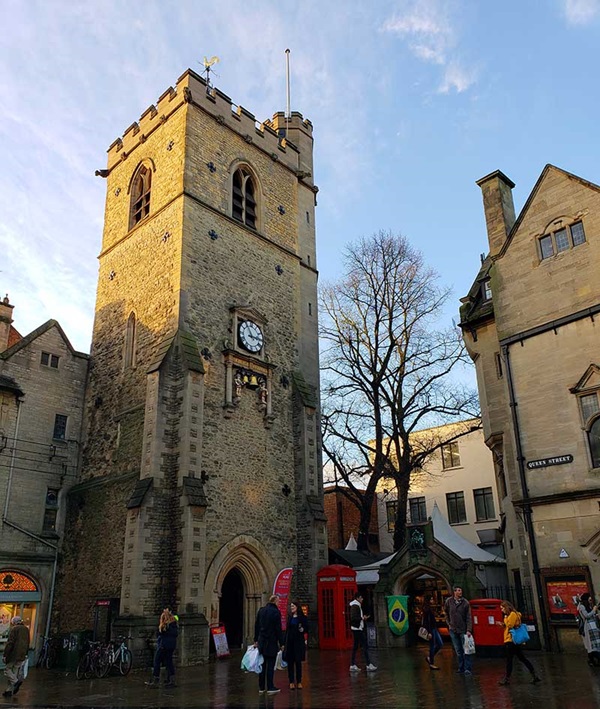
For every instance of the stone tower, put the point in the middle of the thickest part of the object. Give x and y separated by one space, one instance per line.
201 469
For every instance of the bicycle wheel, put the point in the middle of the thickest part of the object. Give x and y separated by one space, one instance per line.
104 663
82 668
125 661
51 658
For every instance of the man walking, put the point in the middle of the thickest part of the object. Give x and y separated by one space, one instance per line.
268 637
357 625
458 617
15 654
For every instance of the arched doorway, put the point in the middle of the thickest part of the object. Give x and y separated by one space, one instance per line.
231 607
19 595
422 583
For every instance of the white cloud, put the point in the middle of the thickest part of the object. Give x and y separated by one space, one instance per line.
432 36
581 12
456 78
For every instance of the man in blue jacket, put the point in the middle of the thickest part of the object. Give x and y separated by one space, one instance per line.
268 638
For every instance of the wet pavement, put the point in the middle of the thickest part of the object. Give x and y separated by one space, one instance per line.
403 680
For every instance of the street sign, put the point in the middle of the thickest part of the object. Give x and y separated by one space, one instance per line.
547 462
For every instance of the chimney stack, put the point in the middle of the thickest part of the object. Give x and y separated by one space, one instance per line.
5 322
499 208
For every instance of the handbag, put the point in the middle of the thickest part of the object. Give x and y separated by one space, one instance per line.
469 645
519 634
423 633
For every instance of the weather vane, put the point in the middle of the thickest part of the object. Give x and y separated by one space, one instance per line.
208 63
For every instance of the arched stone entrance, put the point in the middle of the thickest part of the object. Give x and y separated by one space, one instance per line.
231 607
417 583
19 595
239 579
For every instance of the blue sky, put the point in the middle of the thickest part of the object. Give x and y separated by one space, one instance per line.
411 100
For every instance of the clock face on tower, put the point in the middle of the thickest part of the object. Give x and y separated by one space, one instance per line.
250 336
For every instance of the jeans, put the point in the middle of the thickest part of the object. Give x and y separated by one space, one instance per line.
360 641
465 663
162 656
435 644
267 672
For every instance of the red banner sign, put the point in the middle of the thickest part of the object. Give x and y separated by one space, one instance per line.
281 587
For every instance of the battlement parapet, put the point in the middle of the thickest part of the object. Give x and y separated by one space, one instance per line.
280 137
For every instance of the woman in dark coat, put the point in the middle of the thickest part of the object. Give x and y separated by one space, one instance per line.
166 641
295 644
435 639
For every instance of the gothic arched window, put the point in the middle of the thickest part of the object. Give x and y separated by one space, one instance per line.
594 442
140 195
243 203
130 342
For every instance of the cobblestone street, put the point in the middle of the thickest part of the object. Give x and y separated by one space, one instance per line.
402 680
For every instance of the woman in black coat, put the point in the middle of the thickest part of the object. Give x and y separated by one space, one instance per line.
295 644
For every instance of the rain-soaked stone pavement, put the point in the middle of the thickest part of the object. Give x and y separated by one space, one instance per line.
403 680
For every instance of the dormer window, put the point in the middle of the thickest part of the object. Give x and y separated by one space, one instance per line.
487 290
561 239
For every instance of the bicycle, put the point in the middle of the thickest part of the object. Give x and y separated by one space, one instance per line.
92 661
48 654
117 654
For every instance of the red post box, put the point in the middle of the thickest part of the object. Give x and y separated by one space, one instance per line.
336 586
489 637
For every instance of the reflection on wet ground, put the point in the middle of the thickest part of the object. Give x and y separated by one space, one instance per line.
403 679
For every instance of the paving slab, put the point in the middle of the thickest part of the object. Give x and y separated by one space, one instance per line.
403 680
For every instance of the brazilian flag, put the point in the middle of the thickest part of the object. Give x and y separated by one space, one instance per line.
398 614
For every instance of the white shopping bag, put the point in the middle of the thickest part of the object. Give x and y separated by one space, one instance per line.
469 645
252 660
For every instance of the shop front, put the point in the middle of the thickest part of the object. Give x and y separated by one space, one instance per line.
19 595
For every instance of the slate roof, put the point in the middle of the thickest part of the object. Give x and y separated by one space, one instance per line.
193 488
190 353
139 492
8 383
34 334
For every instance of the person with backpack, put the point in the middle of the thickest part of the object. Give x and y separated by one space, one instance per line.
589 629
512 619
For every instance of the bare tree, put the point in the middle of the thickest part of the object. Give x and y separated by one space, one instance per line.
386 373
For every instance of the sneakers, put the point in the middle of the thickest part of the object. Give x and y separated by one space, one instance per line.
154 682
468 672
273 691
504 681
535 679
299 685
292 685
371 667
433 667
354 668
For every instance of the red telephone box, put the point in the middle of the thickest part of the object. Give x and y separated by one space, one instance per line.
336 586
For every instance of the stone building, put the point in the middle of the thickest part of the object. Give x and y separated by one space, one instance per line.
42 385
460 479
530 324
201 471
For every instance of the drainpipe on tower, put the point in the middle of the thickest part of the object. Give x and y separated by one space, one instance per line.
527 511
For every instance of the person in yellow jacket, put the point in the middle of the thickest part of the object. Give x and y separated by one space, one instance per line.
512 619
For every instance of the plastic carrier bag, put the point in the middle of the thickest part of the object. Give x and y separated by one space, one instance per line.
252 660
469 645
280 663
